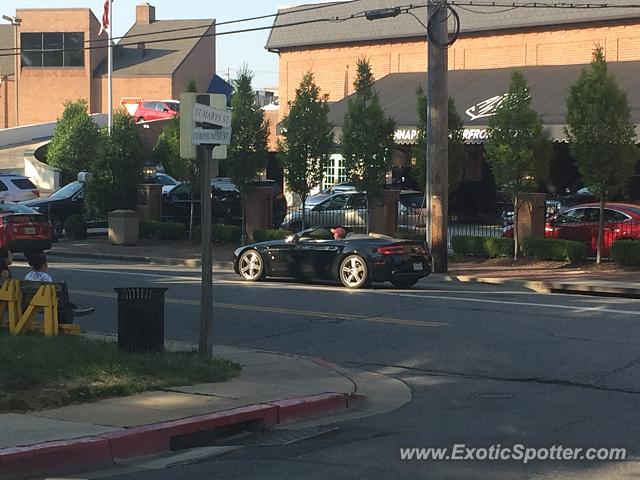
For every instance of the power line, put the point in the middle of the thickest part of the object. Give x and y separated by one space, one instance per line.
405 9
208 25
547 5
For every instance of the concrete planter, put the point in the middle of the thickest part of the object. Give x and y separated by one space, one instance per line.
123 227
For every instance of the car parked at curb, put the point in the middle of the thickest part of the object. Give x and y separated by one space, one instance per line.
356 260
156 110
23 230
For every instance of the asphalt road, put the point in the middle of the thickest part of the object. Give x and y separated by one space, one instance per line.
486 365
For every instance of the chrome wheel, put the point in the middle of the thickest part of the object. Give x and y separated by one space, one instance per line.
354 272
251 266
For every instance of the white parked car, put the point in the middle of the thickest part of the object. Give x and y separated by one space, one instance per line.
16 188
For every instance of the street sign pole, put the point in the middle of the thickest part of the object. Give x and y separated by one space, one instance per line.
206 290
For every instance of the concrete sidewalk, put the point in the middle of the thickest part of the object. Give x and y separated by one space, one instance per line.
273 388
606 280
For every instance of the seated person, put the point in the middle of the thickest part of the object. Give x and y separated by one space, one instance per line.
38 262
339 233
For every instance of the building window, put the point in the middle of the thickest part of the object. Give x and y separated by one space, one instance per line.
335 172
52 49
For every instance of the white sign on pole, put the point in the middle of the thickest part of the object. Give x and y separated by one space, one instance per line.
201 136
211 115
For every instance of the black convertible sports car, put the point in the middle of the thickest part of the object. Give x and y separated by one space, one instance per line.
356 261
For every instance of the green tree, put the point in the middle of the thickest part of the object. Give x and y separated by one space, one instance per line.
167 152
307 139
192 86
75 143
601 133
518 149
456 143
247 152
117 172
367 135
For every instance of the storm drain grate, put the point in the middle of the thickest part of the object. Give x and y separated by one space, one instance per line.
280 436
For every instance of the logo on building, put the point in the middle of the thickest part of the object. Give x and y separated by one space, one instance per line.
486 108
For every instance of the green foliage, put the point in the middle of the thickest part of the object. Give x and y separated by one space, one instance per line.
162 230
600 129
117 172
40 373
518 149
226 234
367 135
247 153
270 234
167 152
601 132
626 252
192 87
307 138
488 247
409 235
456 148
75 227
554 249
76 141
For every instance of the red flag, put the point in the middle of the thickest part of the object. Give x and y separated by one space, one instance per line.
104 26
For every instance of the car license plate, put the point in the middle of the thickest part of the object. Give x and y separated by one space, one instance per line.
29 230
417 266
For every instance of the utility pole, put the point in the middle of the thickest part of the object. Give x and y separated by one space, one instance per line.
206 289
437 161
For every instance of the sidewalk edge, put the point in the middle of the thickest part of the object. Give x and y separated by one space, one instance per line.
103 449
187 262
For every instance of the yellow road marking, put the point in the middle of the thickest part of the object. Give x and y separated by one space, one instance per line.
284 311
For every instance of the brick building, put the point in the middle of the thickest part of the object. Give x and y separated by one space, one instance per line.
489 44
63 58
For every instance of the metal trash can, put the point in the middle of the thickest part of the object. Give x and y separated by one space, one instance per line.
141 319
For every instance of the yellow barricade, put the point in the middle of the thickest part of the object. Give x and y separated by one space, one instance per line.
45 300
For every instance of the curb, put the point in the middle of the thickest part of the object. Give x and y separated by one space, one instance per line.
104 449
543 286
188 262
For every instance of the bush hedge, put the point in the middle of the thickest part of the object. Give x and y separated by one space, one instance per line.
490 247
75 227
554 249
626 252
227 233
162 230
270 234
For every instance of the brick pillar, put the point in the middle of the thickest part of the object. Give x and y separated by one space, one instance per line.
383 212
531 215
258 209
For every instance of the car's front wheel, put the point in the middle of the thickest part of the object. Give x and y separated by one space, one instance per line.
354 272
404 282
251 266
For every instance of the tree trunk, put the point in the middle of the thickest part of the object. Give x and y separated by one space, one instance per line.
600 229
516 239
304 211
243 222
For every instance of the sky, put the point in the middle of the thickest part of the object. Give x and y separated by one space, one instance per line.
233 50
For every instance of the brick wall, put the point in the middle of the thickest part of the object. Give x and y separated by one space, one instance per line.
334 66
149 88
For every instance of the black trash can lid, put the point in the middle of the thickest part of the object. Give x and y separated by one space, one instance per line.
141 293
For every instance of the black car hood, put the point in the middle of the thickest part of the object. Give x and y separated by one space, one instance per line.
39 202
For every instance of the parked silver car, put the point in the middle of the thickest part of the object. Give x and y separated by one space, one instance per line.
348 209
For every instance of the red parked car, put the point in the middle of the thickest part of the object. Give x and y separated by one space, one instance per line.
23 230
156 110
580 223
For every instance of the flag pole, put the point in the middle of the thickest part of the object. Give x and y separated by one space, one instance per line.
110 71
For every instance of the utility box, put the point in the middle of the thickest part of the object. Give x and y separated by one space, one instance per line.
123 227
531 215
149 205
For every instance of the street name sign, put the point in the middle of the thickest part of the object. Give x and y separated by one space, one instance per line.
202 136
220 117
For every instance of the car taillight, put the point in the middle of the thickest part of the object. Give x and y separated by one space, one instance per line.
391 250
36 192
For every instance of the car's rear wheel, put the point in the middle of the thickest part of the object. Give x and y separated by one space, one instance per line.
354 272
404 282
251 266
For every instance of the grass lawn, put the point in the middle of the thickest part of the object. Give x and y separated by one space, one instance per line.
38 372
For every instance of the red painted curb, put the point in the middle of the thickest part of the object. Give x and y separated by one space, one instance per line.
51 455
296 408
156 438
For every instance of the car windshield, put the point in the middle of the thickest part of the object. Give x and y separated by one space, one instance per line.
412 200
68 190
16 208
175 106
